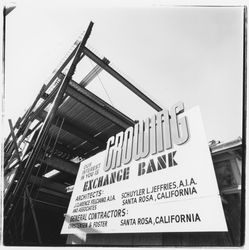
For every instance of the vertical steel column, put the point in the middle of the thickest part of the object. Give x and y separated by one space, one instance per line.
26 116
19 190
23 121
34 216
23 216
14 140
7 144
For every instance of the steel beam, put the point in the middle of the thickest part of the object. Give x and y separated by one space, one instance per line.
120 78
26 117
46 204
89 153
21 185
61 165
7 143
43 105
10 146
58 72
92 74
62 151
23 215
75 130
90 100
54 193
34 216
85 81
14 140
71 128
46 183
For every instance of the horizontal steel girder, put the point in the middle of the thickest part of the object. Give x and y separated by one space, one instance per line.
74 130
61 165
87 98
46 183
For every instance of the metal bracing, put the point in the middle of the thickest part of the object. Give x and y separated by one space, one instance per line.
16 153
92 74
26 116
11 145
120 78
78 115
84 82
23 123
20 187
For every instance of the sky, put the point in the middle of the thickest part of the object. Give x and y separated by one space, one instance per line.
189 54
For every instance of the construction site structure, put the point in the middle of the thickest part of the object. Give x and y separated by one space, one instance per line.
66 124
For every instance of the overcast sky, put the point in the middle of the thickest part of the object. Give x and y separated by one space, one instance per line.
189 54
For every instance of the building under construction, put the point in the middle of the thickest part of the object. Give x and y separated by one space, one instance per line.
65 125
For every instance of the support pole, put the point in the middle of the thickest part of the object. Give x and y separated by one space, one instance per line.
14 140
23 216
34 216
26 116
9 159
23 121
7 145
19 190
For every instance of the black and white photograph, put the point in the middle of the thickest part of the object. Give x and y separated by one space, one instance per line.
124 124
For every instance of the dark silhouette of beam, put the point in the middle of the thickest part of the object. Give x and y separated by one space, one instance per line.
61 165
73 129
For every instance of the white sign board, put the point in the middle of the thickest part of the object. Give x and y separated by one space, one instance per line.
171 191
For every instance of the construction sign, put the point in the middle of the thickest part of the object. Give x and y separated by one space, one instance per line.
157 176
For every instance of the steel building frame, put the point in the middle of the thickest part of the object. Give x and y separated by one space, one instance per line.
29 142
